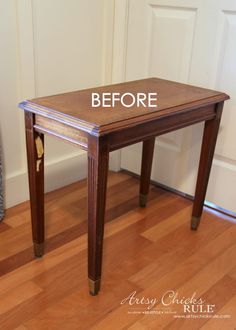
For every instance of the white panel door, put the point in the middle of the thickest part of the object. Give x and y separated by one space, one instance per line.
193 42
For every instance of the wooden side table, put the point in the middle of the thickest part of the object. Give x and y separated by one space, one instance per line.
100 130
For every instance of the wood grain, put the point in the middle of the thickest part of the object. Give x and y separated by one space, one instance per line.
15 297
75 108
51 293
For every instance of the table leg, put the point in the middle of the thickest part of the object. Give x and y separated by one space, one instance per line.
98 160
146 168
35 156
210 133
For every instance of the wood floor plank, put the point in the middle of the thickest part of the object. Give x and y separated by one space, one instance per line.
198 247
172 280
232 273
61 228
146 250
224 323
13 298
64 314
21 327
156 232
18 220
37 266
4 226
63 279
201 281
218 295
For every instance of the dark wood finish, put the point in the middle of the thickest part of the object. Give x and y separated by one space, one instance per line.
98 161
153 128
101 130
210 134
146 168
35 156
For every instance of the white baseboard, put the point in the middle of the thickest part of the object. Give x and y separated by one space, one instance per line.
114 163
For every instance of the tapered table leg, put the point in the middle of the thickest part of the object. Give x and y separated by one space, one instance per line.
210 133
146 168
35 156
98 159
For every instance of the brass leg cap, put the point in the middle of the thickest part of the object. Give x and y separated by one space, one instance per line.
94 286
142 200
195 222
38 250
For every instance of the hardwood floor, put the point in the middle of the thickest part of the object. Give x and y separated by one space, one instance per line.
148 250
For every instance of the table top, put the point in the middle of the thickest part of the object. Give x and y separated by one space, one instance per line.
75 108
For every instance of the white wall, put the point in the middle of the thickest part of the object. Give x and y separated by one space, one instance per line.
48 47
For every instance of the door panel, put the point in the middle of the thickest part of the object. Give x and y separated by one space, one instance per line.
172 32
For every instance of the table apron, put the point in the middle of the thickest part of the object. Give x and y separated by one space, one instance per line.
62 131
129 135
160 126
